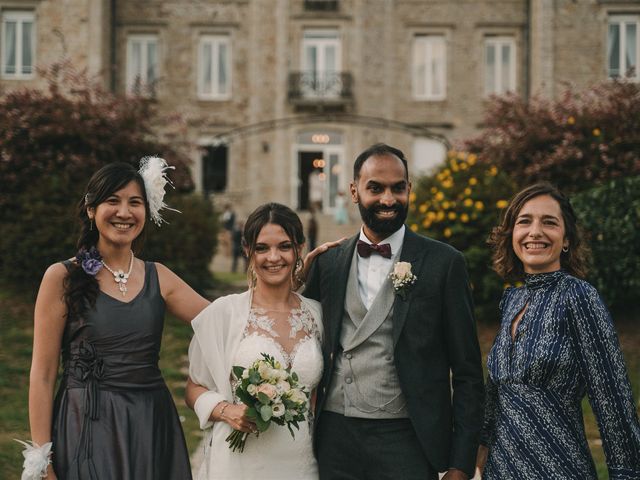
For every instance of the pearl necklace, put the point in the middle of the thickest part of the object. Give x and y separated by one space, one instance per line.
119 276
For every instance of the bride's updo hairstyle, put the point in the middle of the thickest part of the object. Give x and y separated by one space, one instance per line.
80 288
277 214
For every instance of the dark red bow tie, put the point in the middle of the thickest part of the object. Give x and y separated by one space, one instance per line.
366 249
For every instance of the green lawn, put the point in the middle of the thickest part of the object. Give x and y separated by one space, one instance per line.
15 353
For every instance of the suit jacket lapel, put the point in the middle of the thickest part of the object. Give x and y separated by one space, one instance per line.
374 317
340 278
410 253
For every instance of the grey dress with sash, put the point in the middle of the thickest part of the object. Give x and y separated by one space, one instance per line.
114 417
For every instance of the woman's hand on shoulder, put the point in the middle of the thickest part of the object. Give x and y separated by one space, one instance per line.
182 300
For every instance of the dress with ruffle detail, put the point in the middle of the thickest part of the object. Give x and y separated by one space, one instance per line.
114 417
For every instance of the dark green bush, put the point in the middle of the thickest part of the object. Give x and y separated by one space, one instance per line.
187 243
610 214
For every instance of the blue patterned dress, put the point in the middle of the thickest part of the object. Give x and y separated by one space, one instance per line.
565 346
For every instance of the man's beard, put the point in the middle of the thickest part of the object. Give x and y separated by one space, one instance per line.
383 226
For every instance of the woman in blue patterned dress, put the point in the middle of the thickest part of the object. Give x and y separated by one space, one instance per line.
556 343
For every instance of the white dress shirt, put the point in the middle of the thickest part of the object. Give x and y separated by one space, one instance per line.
373 270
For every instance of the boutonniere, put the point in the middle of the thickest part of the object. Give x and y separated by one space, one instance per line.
402 278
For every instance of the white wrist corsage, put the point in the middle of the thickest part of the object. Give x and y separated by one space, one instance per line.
154 173
402 278
36 460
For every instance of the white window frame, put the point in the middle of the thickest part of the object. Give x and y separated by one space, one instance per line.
215 41
497 42
424 88
321 39
623 21
140 84
20 17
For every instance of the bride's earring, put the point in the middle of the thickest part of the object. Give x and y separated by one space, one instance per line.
251 276
297 279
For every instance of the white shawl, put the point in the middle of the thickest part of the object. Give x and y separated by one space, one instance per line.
218 331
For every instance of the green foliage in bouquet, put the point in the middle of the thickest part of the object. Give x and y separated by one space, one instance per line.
459 204
272 394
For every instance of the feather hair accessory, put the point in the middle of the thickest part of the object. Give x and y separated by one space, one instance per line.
154 173
36 460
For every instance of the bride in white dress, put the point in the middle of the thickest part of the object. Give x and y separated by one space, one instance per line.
235 330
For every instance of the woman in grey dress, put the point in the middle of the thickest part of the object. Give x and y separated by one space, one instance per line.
103 312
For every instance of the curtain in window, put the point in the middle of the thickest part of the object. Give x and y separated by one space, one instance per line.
9 56
27 48
631 46
222 68
207 69
613 50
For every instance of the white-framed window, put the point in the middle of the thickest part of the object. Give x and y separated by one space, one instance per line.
214 67
321 63
429 67
142 64
499 65
18 44
623 46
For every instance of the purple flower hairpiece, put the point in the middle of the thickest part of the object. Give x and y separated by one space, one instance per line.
90 260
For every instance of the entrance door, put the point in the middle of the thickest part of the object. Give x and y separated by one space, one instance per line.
311 180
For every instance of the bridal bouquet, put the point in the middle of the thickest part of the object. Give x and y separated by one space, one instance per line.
272 395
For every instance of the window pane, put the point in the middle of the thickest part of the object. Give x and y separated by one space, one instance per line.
136 61
506 69
631 49
10 47
27 48
311 58
437 67
222 68
614 50
152 62
207 66
490 77
330 59
419 67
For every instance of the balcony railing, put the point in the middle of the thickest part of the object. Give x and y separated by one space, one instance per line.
315 88
321 5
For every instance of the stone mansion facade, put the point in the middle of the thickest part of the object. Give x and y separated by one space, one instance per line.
277 97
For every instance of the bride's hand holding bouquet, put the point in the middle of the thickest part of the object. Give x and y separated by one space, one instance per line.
270 394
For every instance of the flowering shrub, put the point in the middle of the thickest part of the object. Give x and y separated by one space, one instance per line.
580 140
460 204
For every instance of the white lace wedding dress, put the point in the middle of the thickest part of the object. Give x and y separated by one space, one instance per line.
293 339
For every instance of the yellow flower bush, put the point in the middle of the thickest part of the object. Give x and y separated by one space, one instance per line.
459 204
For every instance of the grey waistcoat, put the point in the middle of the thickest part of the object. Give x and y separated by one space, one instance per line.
365 383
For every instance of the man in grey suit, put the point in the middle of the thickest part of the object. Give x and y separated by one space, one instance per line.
402 391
